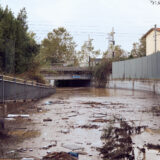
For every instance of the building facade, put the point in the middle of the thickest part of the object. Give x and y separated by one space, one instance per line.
152 41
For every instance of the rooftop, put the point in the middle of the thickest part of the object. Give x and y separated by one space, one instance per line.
144 36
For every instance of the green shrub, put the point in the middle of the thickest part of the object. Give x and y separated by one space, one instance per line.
102 71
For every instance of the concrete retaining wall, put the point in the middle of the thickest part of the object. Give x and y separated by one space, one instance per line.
142 85
11 90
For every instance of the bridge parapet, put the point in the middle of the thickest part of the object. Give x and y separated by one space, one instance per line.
66 73
66 69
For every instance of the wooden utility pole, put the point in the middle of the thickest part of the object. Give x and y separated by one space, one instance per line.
89 49
113 42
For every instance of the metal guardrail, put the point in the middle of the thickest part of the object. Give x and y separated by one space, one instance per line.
12 88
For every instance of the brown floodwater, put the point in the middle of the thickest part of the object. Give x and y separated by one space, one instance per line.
75 109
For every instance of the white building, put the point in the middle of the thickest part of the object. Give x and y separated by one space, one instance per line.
151 40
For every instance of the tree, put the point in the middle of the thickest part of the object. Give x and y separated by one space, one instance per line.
25 45
138 49
58 47
17 47
135 50
87 50
102 71
7 39
118 52
142 47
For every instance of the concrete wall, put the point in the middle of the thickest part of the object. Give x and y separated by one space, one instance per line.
23 91
146 85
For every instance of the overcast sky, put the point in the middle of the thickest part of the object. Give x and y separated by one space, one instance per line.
130 18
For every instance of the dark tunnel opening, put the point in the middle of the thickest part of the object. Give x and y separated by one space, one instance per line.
72 83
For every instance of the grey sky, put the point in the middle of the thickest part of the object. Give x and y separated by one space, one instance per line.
130 18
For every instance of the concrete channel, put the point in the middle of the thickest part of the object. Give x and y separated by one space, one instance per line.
75 119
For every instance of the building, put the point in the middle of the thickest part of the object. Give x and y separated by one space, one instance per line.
152 41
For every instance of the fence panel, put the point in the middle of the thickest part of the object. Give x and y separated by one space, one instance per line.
158 65
149 67
154 66
121 69
133 68
138 68
144 67
126 74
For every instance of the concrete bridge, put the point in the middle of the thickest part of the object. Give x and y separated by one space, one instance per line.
67 76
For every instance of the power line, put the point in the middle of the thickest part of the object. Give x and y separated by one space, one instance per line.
94 32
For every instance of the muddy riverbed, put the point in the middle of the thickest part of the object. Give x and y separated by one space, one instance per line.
76 120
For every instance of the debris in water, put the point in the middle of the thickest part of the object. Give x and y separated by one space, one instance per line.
65 131
153 146
47 120
100 120
82 152
59 156
18 115
10 119
49 146
11 152
89 143
21 150
27 159
72 147
93 103
89 126
48 103
118 142
74 154
72 115
65 118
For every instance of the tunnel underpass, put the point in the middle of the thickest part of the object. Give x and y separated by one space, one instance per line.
72 83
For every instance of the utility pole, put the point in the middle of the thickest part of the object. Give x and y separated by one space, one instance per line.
89 48
113 42
155 37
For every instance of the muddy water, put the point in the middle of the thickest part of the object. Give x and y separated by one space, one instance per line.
75 109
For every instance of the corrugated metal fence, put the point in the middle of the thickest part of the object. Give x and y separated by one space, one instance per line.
139 68
18 89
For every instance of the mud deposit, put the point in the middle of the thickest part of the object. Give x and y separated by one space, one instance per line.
95 123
